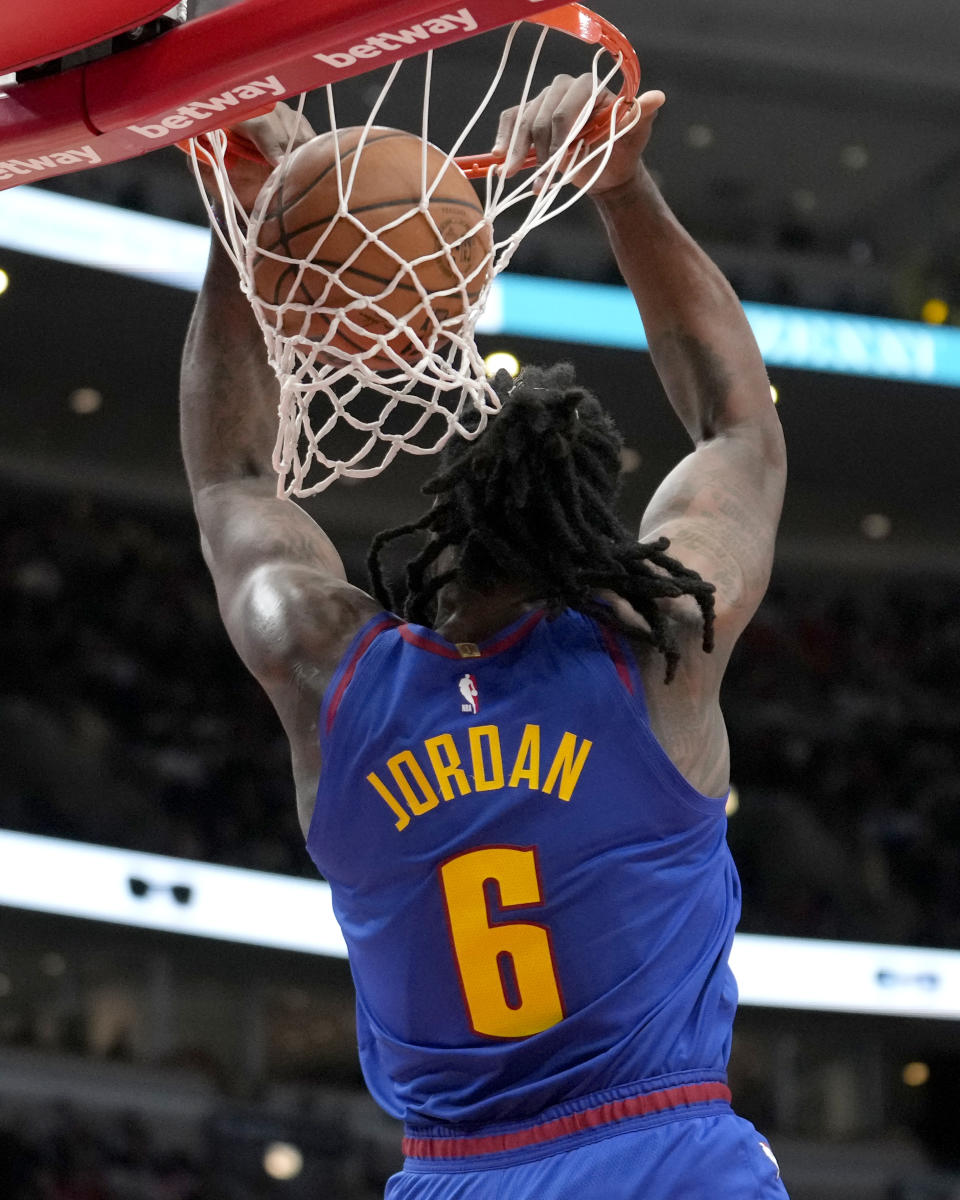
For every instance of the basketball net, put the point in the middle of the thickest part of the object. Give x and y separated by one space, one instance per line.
348 414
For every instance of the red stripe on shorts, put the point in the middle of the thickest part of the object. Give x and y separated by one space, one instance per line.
590 1118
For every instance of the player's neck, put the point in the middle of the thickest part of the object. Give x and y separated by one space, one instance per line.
465 616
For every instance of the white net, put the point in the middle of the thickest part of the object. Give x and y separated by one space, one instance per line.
369 314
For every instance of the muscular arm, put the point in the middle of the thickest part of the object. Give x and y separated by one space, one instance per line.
721 505
701 343
280 583
228 391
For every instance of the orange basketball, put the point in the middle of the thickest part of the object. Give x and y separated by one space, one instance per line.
360 252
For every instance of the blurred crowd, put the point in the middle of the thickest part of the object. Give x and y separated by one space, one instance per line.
843 708
125 716
58 1152
60 1158
126 719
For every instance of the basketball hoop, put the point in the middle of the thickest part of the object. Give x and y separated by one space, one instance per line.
349 412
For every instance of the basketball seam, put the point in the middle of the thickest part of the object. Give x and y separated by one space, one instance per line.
411 201
320 221
275 214
287 251
285 202
338 270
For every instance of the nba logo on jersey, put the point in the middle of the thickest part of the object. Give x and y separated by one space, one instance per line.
471 697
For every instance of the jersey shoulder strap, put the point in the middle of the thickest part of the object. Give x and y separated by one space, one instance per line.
364 639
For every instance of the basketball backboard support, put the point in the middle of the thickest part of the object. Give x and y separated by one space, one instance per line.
54 30
217 68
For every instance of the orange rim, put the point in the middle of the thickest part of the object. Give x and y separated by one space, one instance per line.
237 145
582 23
575 19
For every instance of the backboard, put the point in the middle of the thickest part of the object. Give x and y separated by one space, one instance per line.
52 30
222 66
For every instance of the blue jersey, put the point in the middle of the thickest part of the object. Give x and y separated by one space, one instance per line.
537 905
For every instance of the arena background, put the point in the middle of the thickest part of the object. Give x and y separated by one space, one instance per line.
814 151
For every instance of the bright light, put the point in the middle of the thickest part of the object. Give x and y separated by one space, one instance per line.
53 964
85 400
804 201
774 393
861 252
75 879
935 311
916 1074
630 460
699 136
35 221
876 526
4 281
502 360
854 157
282 1161
93 882
733 802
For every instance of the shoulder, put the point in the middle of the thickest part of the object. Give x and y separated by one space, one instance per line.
293 628
719 510
683 715
281 586
295 623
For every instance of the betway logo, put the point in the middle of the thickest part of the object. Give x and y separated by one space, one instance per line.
198 110
46 162
381 43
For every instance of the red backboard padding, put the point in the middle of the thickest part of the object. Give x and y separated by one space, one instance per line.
40 30
215 70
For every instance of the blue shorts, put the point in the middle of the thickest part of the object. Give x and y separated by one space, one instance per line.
693 1151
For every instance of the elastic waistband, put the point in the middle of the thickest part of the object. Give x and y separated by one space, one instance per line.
686 1095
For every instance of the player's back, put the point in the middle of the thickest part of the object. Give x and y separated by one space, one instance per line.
538 907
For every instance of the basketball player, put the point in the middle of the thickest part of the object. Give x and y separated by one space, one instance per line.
517 792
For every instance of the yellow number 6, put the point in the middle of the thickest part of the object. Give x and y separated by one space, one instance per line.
507 971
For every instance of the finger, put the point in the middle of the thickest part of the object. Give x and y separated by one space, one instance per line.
508 118
552 124
569 110
273 133
650 104
522 136
298 129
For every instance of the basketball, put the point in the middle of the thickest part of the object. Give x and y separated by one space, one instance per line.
361 230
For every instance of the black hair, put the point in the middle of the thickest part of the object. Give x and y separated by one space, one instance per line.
532 499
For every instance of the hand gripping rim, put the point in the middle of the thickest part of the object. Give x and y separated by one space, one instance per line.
575 19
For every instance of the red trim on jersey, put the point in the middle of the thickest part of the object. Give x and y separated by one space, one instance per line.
374 631
590 1118
511 639
424 640
615 650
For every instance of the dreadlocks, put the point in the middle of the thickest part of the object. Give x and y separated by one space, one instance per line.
532 500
